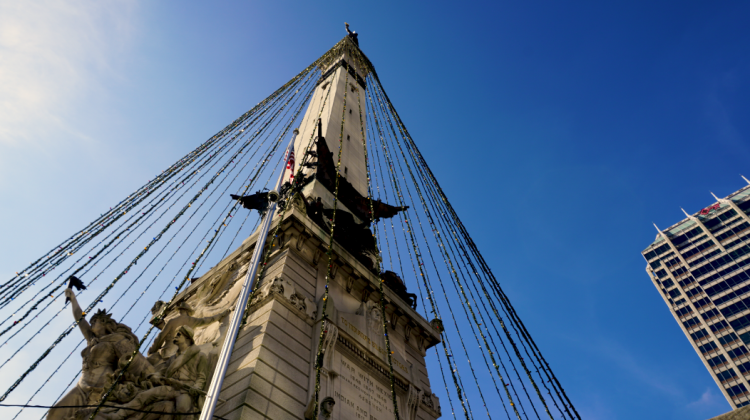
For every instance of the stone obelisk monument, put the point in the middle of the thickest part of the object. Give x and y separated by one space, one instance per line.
272 368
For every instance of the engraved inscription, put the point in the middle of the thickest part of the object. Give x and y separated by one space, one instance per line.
351 329
360 396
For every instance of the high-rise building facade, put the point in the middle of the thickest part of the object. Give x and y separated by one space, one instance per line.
701 267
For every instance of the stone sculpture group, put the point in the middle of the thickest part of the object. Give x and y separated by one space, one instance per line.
167 383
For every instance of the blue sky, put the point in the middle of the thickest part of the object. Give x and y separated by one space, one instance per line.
559 131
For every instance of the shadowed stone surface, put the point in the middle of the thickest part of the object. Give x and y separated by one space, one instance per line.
738 414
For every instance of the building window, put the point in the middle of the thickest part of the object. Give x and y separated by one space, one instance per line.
674 293
729 338
741 322
735 294
738 352
736 307
719 326
667 283
702 302
690 323
711 346
684 311
679 271
726 375
713 362
737 390
710 314
728 283
697 249
732 231
744 368
700 335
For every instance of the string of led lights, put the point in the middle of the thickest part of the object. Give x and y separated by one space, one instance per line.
164 308
246 153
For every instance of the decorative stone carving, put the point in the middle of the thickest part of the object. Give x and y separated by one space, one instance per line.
277 286
395 316
431 403
316 257
334 270
162 343
366 292
173 385
218 287
349 284
412 402
299 203
299 302
283 289
407 331
180 380
326 408
330 334
375 321
301 239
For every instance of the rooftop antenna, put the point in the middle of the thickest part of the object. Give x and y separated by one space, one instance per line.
745 179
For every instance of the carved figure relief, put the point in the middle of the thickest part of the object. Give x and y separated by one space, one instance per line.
286 291
431 403
375 321
277 286
180 380
326 408
299 302
172 385
162 343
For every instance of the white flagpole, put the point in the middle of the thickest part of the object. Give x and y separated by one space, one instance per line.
212 394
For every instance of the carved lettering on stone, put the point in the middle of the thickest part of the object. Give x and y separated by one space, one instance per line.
359 394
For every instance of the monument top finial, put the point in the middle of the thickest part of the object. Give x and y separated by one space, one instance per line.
353 35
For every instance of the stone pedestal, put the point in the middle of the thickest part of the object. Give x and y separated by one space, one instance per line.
272 369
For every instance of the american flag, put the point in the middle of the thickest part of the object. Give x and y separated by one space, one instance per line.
290 165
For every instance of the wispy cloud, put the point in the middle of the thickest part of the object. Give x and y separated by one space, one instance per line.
709 400
717 112
52 54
